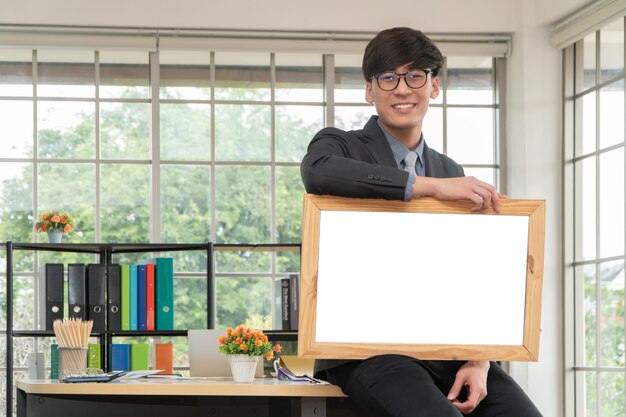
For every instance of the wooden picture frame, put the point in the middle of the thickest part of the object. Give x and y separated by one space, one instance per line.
368 288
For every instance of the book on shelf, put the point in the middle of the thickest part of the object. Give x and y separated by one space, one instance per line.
96 296
147 295
119 359
54 300
150 319
294 301
285 308
125 296
114 302
164 353
133 297
163 292
139 356
54 361
77 291
141 297
289 302
36 365
93 356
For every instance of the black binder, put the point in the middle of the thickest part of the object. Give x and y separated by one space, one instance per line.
54 294
114 297
76 291
95 289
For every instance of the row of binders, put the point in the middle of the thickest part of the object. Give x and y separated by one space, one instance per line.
123 357
115 297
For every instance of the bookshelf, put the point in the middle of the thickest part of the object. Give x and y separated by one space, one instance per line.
105 253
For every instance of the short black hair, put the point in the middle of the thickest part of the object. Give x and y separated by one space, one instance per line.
395 47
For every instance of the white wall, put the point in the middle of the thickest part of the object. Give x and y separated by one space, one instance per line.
533 96
534 159
326 15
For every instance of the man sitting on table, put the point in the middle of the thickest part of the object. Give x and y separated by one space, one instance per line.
390 159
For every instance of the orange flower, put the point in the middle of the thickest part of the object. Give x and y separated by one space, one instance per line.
278 348
243 340
44 216
44 228
67 228
56 218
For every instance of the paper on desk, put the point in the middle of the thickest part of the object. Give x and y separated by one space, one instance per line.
298 366
302 370
141 374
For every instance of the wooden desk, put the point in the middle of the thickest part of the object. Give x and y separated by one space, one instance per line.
207 397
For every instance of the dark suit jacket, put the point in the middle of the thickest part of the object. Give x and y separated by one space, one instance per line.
360 163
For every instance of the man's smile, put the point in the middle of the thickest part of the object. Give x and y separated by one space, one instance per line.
403 105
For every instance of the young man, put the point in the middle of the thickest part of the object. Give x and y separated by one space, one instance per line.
389 159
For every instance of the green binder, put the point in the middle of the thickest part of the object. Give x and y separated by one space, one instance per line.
54 361
125 291
164 293
93 356
139 357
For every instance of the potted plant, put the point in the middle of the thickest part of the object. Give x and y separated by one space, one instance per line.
55 224
244 346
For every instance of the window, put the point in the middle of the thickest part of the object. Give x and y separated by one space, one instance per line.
188 146
594 220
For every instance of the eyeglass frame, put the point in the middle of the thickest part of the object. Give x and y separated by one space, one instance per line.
403 75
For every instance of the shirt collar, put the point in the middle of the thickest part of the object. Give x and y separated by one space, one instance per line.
399 150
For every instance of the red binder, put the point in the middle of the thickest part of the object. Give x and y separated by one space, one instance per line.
150 297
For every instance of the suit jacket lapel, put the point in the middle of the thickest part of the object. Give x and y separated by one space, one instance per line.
432 164
378 147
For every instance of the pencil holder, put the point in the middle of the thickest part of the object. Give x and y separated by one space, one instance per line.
72 361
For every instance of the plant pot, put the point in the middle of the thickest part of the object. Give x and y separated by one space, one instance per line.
55 235
243 367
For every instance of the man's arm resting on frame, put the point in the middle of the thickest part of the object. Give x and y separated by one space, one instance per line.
330 168
481 194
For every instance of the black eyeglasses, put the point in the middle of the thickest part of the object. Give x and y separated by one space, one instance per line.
389 80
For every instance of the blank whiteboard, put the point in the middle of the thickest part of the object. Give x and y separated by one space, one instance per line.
424 278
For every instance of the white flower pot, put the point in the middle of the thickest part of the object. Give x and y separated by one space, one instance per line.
243 367
55 235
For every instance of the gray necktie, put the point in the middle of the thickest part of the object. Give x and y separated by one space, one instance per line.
409 162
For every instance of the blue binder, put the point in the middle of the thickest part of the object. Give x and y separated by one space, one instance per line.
141 297
120 357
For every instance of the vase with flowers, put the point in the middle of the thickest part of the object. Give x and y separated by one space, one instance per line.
55 224
244 346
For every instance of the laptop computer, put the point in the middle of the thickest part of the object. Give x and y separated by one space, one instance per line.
205 358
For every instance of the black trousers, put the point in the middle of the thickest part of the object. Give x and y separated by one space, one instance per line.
401 386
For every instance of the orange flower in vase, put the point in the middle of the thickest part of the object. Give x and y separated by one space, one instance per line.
55 224
244 346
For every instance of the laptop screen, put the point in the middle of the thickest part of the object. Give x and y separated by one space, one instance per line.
205 358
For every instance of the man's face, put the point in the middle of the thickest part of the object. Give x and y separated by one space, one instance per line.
402 110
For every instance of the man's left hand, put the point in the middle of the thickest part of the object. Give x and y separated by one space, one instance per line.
472 375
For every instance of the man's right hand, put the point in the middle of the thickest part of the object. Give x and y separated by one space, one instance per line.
480 193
